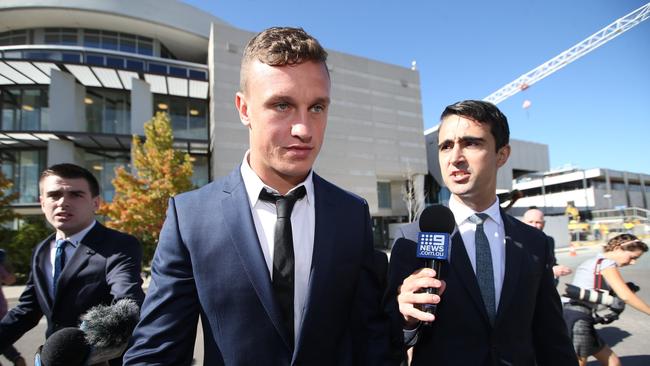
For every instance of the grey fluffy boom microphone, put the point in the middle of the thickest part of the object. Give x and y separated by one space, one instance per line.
103 335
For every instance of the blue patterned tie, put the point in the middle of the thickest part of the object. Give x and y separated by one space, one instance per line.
59 262
484 271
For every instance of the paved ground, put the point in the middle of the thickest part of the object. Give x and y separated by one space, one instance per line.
628 336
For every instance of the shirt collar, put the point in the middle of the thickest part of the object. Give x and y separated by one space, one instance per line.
75 239
462 212
254 184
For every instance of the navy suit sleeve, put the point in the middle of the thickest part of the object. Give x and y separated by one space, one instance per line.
373 339
123 271
167 329
22 318
552 343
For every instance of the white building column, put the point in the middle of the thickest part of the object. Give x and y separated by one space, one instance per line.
67 113
141 105
67 108
61 151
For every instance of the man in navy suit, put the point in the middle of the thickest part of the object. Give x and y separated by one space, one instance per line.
499 305
81 265
220 255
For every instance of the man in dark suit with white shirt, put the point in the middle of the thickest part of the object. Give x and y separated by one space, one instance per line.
81 265
498 305
272 287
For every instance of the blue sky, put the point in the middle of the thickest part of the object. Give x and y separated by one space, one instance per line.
593 113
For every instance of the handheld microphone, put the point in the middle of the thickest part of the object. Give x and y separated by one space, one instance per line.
65 347
436 225
103 335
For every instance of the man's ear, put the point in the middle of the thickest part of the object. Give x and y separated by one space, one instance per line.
96 202
502 155
242 107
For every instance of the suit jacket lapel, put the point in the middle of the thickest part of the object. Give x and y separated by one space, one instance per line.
239 222
463 268
514 257
324 250
40 277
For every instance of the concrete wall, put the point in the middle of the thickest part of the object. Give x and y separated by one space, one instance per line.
374 131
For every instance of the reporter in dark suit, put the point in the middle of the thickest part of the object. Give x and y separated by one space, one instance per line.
499 305
222 257
81 265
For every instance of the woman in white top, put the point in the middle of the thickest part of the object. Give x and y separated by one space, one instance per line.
602 272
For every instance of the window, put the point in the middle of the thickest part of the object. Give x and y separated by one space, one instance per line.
383 194
108 111
124 42
103 167
61 36
200 171
189 116
23 167
24 109
15 37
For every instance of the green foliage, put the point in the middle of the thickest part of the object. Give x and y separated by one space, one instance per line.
21 244
140 203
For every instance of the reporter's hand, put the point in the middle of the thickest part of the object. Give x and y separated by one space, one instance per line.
410 296
561 270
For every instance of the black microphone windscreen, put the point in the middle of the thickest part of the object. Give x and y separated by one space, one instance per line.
65 347
110 325
437 219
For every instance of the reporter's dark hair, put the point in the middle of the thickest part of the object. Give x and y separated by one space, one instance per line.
72 171
483 113
627 242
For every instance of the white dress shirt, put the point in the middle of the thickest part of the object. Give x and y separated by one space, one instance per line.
303 224
69 250
493 227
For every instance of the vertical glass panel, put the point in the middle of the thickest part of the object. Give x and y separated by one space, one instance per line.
94 107
10 108
103 168
45 109
383 193
127 43
29 171
92 38
178 115
198 128
200 173
31 103
109 40
145 46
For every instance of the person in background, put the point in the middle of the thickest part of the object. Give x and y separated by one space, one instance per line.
7 278
80 265
602 272
535 217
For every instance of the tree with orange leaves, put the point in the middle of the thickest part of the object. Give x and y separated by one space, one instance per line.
140 203
6 213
